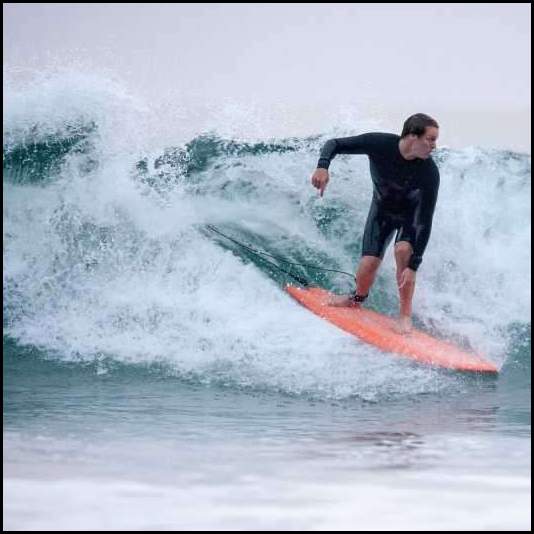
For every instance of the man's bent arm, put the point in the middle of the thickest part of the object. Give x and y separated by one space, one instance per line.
423 224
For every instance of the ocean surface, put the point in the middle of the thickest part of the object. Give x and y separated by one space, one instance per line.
157 375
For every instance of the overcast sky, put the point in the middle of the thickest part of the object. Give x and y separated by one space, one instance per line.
439 57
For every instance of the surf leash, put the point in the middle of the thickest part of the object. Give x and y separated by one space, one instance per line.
260 253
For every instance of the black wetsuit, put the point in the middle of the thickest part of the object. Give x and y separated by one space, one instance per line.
404 192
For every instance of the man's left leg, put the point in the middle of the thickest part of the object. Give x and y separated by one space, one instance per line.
403 253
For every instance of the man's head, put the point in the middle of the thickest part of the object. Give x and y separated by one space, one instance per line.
420 133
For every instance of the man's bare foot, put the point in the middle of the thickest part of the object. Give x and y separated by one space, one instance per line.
403 325
343 301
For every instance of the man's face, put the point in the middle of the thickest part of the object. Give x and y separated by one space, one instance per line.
424 145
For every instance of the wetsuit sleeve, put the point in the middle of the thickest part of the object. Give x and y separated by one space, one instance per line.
359 144
424 214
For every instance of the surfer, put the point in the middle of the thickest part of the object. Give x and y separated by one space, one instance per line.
405 188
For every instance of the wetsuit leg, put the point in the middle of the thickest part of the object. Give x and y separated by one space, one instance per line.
378 232
406 231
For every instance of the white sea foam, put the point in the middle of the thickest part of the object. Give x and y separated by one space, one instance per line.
423 501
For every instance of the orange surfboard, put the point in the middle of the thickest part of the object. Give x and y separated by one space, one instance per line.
378 330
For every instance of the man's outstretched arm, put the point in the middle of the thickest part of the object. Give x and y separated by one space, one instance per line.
358 144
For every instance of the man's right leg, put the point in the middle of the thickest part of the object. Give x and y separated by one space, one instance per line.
365 276
378 233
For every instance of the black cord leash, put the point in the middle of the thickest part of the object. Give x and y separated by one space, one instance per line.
260 253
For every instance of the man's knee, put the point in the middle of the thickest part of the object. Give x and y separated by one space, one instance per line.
403 250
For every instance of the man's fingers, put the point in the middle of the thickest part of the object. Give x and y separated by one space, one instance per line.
319 182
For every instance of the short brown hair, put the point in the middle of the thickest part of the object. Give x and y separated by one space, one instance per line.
417 124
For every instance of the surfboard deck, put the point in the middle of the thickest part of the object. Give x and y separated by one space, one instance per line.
378 330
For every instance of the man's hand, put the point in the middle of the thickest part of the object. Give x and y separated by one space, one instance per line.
320 179
407 277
